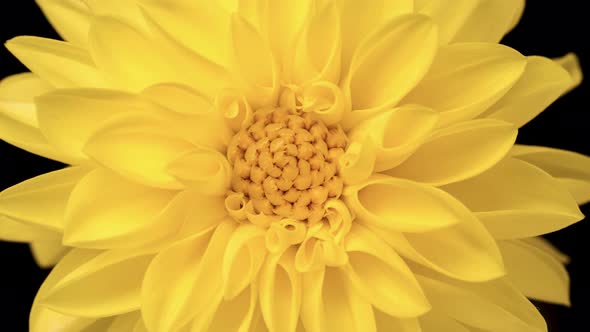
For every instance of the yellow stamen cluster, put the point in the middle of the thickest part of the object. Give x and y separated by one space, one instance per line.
285 162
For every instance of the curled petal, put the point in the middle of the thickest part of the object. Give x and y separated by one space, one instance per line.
325 100
192 271
358 162
466 79
382 276
242 260
536 273
59 63
331 303
206 171
48 193
571 64
396 133
71 18
402 50
236 110
97 284
280 292
458 152
283 234
542 82
516 199
403 205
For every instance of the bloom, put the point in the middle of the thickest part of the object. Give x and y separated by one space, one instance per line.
321 165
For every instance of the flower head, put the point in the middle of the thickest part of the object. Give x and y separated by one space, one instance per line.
316 165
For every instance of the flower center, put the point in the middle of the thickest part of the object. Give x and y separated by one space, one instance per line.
286 163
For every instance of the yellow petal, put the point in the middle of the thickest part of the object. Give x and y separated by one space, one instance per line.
48 193
68 129
70 18
466 79
490 21
104 284
15 231
191 270
125 10
492 306
396 133
126 322
358 162
43 319
542 82
571 64
280 292
572 169
201 26
403 205
205 171
546 246
236 314
94 219
453 251
435 320
449 15
537 274
16 97
360 19
59 63
381 276
386 322
458 152
331 303
388 65
48 252
515 199
120 147
318 52
242 260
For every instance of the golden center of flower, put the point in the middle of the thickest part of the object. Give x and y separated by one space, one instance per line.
285 163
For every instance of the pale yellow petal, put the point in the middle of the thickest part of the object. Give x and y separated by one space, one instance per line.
48 252
388 64
125 322
466 79
191 270
396 133
204 171
280 288
106 284
59 63
571 64
546 246
490 21
572 169
47 193
537 274
16 97
453 251
94 219
386 322
449 15
71 18
381 276
360 19
542 82
127 11
331 303
436 320
458 152
15 231
494 305
403 205
516 199
236 314
68 129
358 161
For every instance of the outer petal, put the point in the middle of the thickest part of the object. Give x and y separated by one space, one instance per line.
515 199
48 193
570 168
99 221
205 171
492 306
71 18
126 322
388 65
546 246
435 320
331 303
280 292
458 152
48 252
236 314
571 64
381 276
59 63
449 15
15 231
386 322
542 82
191 268
403 205
465 79
99 284
536 273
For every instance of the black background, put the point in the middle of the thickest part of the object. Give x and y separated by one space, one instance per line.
547 28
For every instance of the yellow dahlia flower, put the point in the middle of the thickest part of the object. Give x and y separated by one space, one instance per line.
309 165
